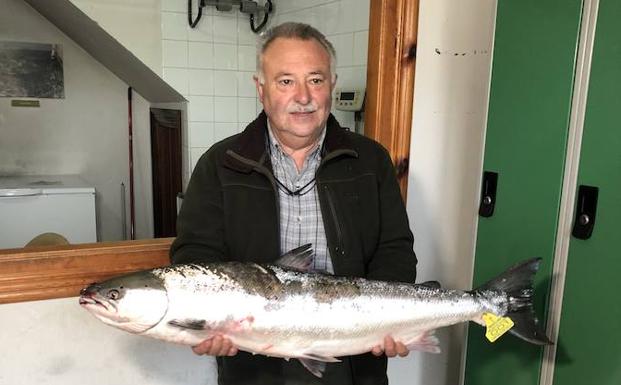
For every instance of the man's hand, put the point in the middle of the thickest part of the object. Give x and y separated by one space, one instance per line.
391 348
215 346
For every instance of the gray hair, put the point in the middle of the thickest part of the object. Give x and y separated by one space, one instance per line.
292 30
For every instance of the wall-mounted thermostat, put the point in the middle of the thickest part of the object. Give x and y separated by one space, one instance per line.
349 99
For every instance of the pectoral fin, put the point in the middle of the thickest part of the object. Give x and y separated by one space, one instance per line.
192 324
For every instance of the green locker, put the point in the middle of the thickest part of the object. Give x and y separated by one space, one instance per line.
589 342
529 112
529 117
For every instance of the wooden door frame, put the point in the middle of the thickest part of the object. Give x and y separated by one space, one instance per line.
60 271
393 32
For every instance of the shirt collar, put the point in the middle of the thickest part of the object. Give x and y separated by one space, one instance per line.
274 146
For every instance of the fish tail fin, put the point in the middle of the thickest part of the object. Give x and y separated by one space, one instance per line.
517 283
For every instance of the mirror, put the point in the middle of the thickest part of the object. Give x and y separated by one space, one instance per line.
86 133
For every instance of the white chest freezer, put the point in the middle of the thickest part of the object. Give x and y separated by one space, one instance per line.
33 205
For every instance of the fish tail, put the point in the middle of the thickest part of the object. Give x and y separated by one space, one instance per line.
517 283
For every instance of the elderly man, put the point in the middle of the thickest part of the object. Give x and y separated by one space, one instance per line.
292 177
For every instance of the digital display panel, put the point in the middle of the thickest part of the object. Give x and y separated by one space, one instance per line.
347 95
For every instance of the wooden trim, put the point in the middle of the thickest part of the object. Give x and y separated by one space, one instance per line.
390 78
53 272
36 273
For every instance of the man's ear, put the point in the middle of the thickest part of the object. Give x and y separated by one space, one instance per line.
334 77
259 85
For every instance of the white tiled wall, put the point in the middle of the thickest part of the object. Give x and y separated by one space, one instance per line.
212 65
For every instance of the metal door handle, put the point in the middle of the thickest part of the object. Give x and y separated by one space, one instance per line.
586 208
488 194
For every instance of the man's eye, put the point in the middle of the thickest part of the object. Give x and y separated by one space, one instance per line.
316 81
286 82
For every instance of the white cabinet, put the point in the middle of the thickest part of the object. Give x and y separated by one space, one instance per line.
33 205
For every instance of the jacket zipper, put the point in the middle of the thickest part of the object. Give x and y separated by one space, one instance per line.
337 226
338 249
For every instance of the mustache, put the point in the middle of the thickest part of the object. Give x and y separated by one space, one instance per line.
310 107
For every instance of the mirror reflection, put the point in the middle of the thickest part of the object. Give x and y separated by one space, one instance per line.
66 173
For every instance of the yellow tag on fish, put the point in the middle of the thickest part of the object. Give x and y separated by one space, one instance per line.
496 326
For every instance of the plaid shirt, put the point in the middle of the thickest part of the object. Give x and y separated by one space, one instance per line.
301 221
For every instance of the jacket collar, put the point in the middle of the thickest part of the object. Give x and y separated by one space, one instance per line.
248 150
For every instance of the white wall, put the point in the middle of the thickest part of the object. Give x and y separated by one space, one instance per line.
85 133
448 127
68 346
143 177
135 24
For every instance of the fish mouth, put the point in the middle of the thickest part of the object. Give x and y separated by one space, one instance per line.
89 298
87 301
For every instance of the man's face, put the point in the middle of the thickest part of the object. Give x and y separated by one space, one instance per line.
297 89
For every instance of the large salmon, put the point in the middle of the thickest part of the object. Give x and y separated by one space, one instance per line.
288 312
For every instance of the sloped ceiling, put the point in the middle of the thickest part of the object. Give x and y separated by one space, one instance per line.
107 50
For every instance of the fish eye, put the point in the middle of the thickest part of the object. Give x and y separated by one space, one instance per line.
113 294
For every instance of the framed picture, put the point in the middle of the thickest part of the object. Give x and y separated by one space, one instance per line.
33 70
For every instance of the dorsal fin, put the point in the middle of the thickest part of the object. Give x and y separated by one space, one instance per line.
300 258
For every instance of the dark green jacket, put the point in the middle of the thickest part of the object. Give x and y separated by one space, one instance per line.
230 212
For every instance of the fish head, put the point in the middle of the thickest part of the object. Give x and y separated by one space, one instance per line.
134 302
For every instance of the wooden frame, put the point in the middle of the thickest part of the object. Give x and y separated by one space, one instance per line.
390 79
61 271
35 273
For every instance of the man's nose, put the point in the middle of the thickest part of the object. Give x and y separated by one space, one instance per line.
302 93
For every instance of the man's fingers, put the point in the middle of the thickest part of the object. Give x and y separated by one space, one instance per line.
389 347
401 349
377 351
216 346
202 348
225 347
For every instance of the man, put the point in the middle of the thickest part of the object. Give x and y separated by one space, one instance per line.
294 176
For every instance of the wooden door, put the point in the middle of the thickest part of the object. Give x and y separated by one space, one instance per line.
166 166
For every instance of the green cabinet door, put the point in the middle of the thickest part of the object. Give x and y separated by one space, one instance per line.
530 101
589 343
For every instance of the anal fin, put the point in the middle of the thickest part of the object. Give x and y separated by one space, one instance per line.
316 364
315 367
